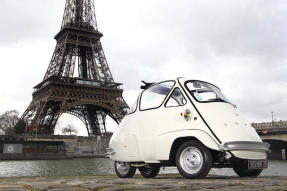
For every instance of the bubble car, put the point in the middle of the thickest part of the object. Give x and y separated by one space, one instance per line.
189 124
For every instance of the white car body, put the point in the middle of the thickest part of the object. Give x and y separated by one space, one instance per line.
148 135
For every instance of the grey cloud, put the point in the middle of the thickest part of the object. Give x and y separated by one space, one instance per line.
29 19
239 45
228 42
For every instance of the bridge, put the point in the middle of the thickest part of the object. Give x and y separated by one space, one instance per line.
275 133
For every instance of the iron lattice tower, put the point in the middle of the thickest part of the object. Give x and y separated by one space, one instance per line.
78 80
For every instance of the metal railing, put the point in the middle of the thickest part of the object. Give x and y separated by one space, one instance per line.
77 81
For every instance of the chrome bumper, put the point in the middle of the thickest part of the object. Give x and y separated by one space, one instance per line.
245 145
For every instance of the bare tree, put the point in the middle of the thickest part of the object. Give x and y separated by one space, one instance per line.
69 129
8 120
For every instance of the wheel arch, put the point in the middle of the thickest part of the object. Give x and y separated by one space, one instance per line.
207 142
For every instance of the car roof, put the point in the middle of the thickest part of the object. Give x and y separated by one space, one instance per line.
182 80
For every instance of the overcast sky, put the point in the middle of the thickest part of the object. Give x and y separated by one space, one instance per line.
239 45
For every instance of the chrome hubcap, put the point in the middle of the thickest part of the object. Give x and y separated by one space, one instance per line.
191 160
123 167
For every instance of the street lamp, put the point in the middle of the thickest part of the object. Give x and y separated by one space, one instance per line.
272 119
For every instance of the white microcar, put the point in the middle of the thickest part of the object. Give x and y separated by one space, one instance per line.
189 124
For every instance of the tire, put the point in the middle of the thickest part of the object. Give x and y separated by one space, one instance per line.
124 169
242 171
149 171
193 160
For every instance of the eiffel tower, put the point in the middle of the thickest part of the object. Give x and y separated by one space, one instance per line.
78 80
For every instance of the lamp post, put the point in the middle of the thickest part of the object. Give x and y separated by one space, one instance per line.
26 127
272 119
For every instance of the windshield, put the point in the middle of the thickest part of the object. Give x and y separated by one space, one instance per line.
205 92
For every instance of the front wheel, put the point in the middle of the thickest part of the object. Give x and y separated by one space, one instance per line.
124 169
149 171
193 160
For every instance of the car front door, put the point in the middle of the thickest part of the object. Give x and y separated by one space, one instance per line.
151 118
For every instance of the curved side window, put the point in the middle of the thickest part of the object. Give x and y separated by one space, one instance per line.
133 108
175 99
154 96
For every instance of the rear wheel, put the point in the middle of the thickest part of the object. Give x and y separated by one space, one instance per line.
124 169
149 171
193 160
240 167
242 171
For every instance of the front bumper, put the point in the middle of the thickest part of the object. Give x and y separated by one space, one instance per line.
245 146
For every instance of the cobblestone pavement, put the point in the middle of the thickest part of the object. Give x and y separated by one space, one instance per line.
162 182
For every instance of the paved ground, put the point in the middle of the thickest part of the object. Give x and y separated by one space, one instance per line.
162 182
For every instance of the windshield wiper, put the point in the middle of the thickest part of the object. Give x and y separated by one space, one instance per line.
217 99
222 100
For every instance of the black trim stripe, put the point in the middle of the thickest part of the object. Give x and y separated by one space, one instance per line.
199 112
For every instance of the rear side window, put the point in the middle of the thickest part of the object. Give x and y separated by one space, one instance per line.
133 108
175 99
154 96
